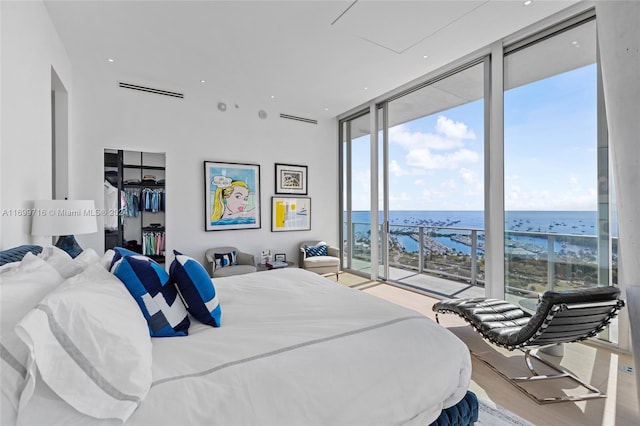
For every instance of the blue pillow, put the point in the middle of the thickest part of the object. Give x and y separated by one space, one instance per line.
157 297
319 250
119 253
225 259
196 288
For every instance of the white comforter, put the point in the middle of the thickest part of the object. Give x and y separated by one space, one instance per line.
294 348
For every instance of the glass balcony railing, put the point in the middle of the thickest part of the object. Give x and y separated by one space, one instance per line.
535 261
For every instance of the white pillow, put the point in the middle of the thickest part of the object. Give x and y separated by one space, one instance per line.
65 264
107 259
55 256
90 344
21 288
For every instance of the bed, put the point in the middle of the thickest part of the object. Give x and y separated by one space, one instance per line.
292 347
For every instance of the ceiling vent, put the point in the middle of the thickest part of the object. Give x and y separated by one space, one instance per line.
151 90
293 117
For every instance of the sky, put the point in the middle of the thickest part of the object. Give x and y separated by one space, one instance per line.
437 161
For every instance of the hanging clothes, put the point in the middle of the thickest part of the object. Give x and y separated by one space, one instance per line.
132 196
153 243
111 206
153 199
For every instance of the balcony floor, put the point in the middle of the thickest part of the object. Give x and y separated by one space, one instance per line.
438 287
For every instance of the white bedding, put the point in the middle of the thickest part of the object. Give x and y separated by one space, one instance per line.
293 348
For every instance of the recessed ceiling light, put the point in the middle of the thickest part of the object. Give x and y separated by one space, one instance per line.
366 88
425 56
527 3
273 96
326 109
110 60
202 81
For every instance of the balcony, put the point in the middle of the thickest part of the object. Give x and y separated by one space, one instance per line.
451 261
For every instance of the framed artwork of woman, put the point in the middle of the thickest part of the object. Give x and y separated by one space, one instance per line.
232 196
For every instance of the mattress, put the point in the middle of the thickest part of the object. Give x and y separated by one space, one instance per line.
293 348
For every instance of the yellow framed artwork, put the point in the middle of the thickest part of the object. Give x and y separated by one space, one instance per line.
290 214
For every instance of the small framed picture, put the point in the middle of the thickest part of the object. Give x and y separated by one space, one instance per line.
291 179
290 214
281 257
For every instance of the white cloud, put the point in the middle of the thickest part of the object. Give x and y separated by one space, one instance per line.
442 149
573 181
430 195
424 158
453 129
396 169
549 199
468 176
449 185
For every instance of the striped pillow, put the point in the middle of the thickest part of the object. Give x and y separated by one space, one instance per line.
225 259
196 289
90 345
157 297
119 253
319 250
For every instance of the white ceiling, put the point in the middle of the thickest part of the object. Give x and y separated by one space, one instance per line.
314 57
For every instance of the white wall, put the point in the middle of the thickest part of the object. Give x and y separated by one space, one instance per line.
190 131
30 48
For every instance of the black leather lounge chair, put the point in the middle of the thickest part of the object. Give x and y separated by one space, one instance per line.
560 317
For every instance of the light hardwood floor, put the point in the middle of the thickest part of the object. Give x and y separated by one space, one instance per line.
596 365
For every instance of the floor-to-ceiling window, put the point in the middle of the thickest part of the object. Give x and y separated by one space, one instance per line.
426 166
356 196
436 179
556 167
545 152
557 208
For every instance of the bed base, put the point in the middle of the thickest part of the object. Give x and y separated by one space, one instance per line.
464 413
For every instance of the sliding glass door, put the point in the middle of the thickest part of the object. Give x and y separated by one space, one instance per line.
413 194
436 181
557 210
556 168
356 194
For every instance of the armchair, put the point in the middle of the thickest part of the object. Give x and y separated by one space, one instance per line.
328 263
244 262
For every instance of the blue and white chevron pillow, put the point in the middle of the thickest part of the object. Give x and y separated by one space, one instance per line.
119 253
156 295
319 250
225 259
196 289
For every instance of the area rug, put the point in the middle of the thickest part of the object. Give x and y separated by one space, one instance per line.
489 416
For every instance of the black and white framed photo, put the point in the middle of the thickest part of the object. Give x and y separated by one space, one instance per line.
291 179
280 257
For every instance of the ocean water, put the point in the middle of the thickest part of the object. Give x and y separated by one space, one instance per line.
528 227
557 222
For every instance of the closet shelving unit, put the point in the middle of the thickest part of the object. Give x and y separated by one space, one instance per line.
135 166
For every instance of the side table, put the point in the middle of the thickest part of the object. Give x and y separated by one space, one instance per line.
262 267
